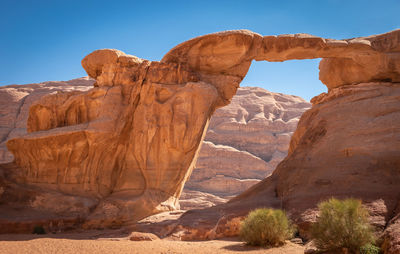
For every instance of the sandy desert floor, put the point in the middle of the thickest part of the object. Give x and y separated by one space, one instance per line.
97 243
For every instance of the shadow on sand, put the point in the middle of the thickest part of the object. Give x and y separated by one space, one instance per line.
241 247
72 235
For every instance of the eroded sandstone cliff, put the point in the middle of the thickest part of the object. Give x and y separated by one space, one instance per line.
129 143
244 142
16 100
346 145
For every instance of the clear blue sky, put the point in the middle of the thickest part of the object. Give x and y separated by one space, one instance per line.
46 40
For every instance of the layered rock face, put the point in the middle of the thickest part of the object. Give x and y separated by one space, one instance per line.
15 101
130 143
245 141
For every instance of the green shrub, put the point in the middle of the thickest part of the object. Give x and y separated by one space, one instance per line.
369 249
39 230
342 224
266 227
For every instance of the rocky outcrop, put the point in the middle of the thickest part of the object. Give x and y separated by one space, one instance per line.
130 143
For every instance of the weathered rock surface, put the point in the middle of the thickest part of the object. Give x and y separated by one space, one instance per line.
391 242
252 133
349 61
196 199
130 143
15 101
346 145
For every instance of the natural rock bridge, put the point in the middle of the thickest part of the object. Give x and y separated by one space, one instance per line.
124 149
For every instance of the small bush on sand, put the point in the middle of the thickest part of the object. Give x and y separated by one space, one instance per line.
342 224
266 227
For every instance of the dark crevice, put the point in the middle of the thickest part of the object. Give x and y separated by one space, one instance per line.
16 119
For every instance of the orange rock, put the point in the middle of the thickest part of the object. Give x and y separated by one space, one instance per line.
140 236
130 143
227 169
346 145
15 101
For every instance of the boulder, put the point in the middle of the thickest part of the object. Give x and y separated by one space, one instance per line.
140 236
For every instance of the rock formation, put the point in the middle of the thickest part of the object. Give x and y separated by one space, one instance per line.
15 101
244 142
343 147
130 142
346 145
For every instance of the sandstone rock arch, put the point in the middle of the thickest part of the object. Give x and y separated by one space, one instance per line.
344 61
130 143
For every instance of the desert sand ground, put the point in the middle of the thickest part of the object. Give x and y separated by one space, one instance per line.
93 242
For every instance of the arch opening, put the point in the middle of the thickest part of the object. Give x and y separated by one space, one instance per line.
292 77
249 137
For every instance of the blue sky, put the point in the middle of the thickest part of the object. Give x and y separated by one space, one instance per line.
46 40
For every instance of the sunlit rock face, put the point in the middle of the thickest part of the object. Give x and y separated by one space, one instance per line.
245 141
15 101
346 145
124 149
130 141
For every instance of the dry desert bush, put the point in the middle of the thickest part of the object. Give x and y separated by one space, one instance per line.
343 224
266 227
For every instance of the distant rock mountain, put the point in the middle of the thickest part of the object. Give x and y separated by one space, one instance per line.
244 142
